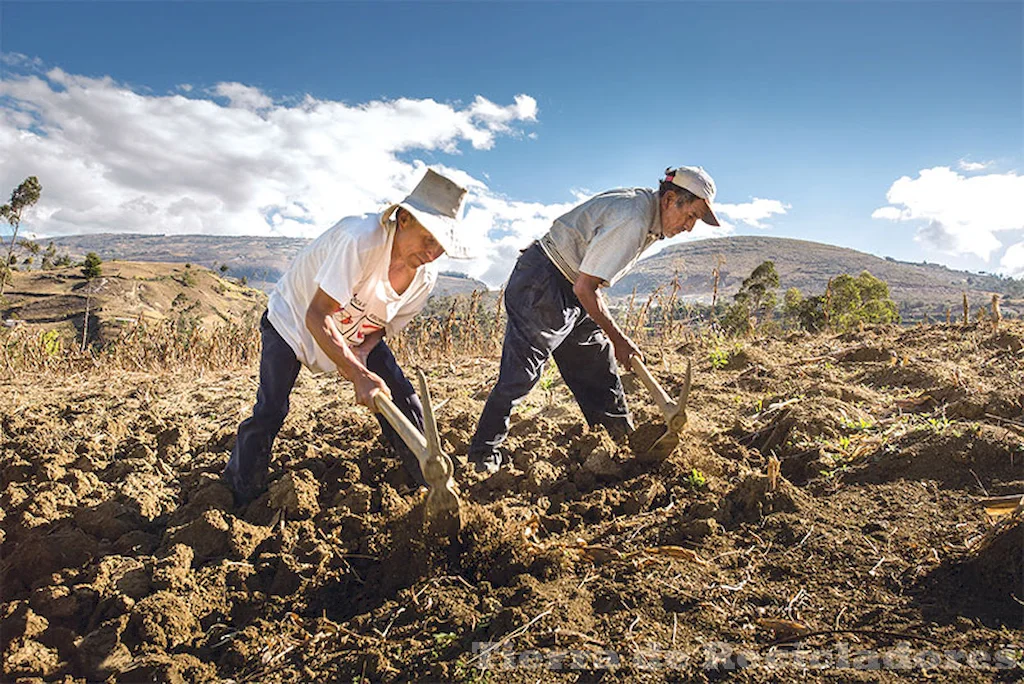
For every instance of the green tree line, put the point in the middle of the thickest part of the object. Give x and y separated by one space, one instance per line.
848 301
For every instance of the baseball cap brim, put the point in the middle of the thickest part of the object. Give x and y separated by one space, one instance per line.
709 217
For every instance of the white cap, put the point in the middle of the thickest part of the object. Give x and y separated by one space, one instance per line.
696 180
437 202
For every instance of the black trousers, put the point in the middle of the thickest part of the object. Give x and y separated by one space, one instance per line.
545 319
246 471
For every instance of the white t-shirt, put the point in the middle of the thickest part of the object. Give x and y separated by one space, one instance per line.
350 263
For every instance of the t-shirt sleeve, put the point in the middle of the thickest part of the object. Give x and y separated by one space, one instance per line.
614 245
412 307
340 272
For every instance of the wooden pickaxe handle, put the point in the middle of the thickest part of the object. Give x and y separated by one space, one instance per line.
673 411
661 398
412 437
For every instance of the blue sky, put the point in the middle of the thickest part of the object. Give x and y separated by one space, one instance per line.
815 109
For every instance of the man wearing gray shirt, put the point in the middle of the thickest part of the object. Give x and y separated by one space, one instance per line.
555 307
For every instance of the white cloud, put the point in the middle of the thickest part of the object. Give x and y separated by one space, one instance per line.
973 166
113 159
230 159
891 213
1012 263
502 227
752 212
242 96
958 214
18 60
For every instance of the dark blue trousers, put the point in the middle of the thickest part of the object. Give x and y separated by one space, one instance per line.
545 319
246 471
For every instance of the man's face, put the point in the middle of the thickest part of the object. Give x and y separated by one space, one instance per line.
414 244
676 219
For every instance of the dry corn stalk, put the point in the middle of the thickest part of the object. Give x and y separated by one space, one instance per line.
669 311
999 506
675 552
449 322
774 468
717 275
784 629
828 305
914 402
996 315
597 553
641 319
629 306
1004 522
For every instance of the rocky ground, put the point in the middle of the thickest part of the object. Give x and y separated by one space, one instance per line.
868 558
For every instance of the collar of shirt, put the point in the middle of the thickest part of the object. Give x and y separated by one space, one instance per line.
654 228
387 221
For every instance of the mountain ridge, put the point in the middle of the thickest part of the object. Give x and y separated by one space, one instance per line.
919 288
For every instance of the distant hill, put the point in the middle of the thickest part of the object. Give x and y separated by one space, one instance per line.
260 260
808 266
917 288
126 292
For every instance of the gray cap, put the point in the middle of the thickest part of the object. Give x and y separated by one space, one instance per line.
437 204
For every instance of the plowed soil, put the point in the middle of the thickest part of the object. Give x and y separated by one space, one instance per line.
124 558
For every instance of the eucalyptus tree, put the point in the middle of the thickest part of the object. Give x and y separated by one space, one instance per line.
23 197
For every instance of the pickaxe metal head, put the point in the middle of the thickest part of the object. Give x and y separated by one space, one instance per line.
674 412
443 510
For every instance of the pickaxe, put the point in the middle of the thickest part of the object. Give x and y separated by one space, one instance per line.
674 412
442 505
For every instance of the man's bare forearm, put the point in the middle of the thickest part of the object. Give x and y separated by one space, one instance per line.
593 303
329 338
320 323
595 306
586 290
352 365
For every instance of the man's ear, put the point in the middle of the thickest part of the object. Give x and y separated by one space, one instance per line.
400 217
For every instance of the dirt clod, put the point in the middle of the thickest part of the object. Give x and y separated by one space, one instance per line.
101 653
173 570
213 535
599 455
753 499
28 657
541 477
162 619
296 493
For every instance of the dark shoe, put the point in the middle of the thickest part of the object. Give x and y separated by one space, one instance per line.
488 463
242 497
620 430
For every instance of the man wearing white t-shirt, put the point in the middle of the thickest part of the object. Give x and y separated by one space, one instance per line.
360 281
555 308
